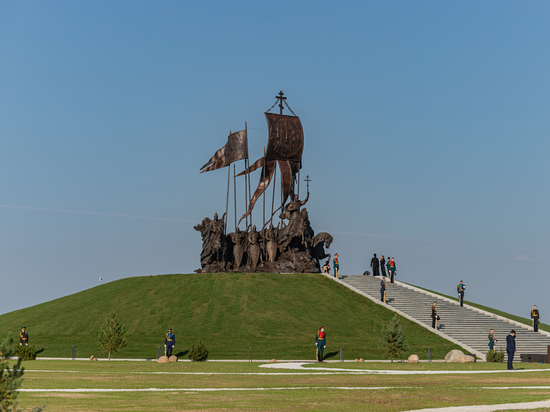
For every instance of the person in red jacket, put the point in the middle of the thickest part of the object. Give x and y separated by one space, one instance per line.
321 343
392 269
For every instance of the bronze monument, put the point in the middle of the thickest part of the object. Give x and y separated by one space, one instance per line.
289 247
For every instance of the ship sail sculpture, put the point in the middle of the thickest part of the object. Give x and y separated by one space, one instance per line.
290 248
284 146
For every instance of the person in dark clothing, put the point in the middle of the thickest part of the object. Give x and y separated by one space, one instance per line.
374 266
23 337
511 348
461 287
169 342
435 318
383 265
536 318
383 290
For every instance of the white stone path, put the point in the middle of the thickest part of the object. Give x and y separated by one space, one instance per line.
489 408
299 366
82 390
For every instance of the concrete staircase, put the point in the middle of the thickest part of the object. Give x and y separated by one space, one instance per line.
467 325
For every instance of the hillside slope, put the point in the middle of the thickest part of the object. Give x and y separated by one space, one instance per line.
275 314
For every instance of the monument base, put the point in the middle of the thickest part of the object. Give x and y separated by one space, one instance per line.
288 262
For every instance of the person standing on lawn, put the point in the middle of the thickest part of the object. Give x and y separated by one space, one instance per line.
511 348
169 342
321 343
23 337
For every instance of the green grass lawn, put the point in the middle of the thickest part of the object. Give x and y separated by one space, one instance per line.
264 389
275 314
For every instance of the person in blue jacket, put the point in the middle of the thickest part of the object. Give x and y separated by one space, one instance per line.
169 342
511 348
383 290
460 288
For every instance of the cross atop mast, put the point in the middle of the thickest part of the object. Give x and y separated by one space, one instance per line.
307 180
281 99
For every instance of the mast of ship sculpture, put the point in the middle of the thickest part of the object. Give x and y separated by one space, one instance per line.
284 148
235 149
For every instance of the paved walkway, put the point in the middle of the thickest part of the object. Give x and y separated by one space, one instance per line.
489 408
299 366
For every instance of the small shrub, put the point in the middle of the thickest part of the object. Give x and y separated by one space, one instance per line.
494 356
112 336
26 352
198 353
393 342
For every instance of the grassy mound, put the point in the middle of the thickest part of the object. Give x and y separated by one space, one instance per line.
275 314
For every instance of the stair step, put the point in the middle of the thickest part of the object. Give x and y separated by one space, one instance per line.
463 324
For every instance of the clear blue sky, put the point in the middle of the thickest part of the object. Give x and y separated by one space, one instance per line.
426 136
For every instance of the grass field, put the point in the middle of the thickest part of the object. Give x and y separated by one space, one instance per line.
243 386
275 314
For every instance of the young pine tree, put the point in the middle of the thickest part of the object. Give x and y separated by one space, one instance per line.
393 342
10 379
112 336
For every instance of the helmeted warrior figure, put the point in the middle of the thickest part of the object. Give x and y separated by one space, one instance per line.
271 236
238 250
293 207
213 240
253 247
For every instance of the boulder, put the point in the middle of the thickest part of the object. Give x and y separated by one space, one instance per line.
164 359
173 358
92 357
361 360
356 360
466 359
454 356
413 359
272 361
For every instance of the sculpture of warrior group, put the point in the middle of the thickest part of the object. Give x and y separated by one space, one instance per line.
289 247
